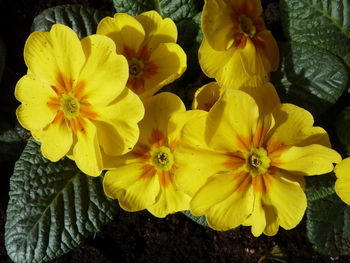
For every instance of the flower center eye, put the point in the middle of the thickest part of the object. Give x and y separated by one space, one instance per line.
162 158
254 160
247 26
135 67
70 105
257 162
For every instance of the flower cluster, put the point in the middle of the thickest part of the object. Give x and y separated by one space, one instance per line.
239 157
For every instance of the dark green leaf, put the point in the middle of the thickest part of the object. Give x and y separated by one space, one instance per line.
175 9
198 219
323 23
319 186
83 20
52 207
11 145
309 77
343 129
328 225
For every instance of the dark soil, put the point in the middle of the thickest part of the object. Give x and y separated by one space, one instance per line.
140 237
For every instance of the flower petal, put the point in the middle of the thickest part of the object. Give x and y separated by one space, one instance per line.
268 50
54 55
342 186
308 160
56 141
169 201
124 30
157 29
294 126
170 60
289 200
257 218
232 121
35 112
87 152
117 127
105 73
206 96
133 191
158 110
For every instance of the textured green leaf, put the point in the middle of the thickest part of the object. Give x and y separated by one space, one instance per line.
319 186
52 207
343 129
198 219
11 145
309 77
323 23
175 9
328 225
83 20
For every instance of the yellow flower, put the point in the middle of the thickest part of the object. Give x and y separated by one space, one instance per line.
244 161
74 99
206 96
342 185
149 44
144 178
236 43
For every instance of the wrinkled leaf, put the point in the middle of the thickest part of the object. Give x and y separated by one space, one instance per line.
175 9
322 23
309 77
328 225
319 186
343 129
83 20
52 207
198 219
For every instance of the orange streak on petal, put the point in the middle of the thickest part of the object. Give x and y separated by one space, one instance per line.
173 145
148 171
243 143
157 138
236 160
86 111
58 120
136 84
142 153
262 183
128 52
79 90
275 148
53 103
150 69
164 178
244 180
66 83
259 136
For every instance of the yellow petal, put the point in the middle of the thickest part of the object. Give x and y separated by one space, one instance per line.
87 152
124 30
224 205
157 29
269 50
170 61
206 96
34 113
213 67
133 191
342 185
169 201
158 110
232 121
271 218
105 73
289 200
117 127
257 218
217 24
308 160
56 141
294 126
48 55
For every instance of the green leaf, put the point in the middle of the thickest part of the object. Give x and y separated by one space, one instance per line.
328 225
309 77
175 9
198 219
83 20
11 145
323 23
319 186
52 207
343 129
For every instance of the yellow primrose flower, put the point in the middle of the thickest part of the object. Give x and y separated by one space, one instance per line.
342 185
74 99
236 43
244 161
144 178
149 44
206 96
